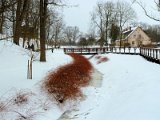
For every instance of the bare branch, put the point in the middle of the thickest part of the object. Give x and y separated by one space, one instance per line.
146 13
60 5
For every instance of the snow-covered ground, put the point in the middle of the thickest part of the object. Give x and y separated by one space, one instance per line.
129 89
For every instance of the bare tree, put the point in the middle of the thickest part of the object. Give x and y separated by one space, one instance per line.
109 14
98 19
103 16
55 28
58 29
71 34
150 13
5 6
125 14
75 33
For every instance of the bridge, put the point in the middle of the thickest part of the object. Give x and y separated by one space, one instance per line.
97 50
151 54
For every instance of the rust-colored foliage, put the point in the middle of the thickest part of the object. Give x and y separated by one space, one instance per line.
98 56
102 59
65 82
82 61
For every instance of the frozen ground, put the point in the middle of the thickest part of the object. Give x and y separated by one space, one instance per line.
129 89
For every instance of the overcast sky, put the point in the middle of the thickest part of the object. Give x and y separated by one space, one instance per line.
80 15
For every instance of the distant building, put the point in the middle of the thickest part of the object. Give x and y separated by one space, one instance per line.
134 37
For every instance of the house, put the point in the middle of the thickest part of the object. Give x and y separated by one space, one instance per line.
134 37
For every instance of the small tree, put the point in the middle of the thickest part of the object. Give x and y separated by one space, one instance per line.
125 13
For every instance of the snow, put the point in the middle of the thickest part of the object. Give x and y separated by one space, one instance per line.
124 88
131 87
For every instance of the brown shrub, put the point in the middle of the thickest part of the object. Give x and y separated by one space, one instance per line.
82 61
21 97
3 107
65 82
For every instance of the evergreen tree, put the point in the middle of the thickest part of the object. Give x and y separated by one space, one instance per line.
114 32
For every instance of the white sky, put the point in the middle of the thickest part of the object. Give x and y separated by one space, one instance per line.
80 16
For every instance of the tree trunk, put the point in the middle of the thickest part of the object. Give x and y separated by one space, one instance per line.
56 38
1 22
2 16
18 23
16 33
106 41
43 11
13 22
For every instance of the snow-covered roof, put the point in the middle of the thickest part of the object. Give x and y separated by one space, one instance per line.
129 29
121 40
132 31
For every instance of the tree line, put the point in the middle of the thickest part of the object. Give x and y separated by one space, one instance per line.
38 20
109 18
41 21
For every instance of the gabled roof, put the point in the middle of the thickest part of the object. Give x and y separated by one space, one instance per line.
126 33
129 33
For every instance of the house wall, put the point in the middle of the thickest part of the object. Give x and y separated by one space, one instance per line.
117 43
138 38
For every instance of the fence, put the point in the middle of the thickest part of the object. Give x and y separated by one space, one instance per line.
124 50
151 54
117 50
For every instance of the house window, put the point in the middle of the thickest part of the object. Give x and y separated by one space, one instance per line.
133 42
